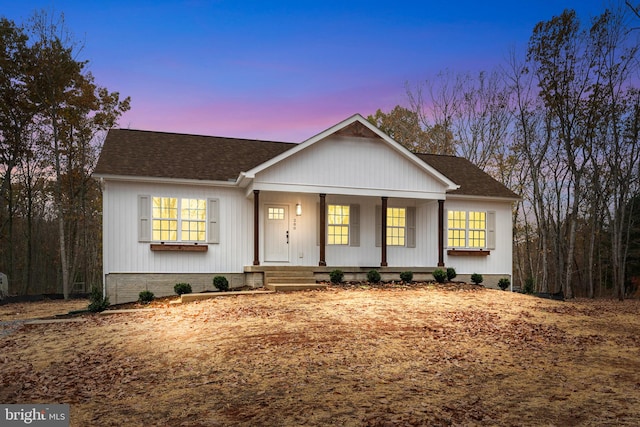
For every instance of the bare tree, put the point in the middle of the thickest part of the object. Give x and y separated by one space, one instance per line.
71 110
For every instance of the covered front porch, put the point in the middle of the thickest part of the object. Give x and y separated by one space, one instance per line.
305 230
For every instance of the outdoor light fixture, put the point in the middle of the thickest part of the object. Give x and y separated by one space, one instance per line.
298 209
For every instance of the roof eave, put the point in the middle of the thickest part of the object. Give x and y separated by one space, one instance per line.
484 198
164 180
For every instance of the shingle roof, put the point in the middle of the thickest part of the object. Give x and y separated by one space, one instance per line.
171 155
182 156
472 180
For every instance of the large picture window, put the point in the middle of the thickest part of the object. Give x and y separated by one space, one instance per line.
466 229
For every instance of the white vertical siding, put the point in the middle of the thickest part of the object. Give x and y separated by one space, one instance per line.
359 163
123 253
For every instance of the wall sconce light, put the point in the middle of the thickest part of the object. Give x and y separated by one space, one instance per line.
298 209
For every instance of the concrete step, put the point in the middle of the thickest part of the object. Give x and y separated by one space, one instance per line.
290 287
297 276
291 279
209 295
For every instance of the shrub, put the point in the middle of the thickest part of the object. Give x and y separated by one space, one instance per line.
477 278
440 275
221 283
406 276
373 276
97 301
451 273
182 288
145 297
503 283
336 276
529 285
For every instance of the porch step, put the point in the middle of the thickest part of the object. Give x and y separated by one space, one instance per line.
290 287
291 277
209 295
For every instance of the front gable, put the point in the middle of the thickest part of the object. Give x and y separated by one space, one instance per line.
352 158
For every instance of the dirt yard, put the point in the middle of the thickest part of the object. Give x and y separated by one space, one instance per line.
358 357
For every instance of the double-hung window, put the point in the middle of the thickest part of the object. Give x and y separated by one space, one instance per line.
181 220
193 217
396 223
470 229
401 226
338 225
342 225
164 223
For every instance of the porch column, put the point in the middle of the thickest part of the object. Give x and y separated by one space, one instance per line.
323 229
440 233
383 261
256 229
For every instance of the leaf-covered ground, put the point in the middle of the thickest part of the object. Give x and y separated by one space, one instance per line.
345 356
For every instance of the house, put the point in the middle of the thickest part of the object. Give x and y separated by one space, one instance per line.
186 208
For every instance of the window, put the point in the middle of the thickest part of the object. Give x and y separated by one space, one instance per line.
467 229
338 225
170 214
165 219
169 219
194 219
477 229
457 235
275 213
401 226
396 221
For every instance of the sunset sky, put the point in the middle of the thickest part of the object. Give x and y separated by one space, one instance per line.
284 70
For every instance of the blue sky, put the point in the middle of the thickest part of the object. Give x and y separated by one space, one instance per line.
284 70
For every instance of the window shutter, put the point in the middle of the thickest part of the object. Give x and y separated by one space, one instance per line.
213 220
491 230
445 228
378 231
354 225
411 227
144 218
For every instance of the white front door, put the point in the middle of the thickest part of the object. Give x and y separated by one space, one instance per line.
276 233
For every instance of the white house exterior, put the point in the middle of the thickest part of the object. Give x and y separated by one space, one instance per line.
186 208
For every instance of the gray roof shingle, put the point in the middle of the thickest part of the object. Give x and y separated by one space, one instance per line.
472 180
172 155
182 156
